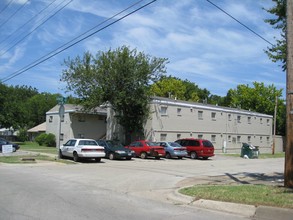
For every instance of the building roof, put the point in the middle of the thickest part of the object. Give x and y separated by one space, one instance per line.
71 108
38 128
168 101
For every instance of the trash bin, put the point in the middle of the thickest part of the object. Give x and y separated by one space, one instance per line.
249 151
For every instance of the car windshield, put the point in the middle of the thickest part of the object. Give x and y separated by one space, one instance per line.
173 144
87 142
114 144
148 143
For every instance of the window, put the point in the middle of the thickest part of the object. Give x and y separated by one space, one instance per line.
200 136
213 114
249 139
179 111
163 110
213 138
50 119
80 135
238 139
239 119
249 120
229 117
200 115
163 137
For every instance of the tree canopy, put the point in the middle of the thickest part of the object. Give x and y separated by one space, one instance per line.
259 98
278 51
121 77
23 107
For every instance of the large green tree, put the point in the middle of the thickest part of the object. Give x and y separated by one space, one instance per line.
259 98
121 77
277 52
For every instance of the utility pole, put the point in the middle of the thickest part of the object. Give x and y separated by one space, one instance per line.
289 99
275 123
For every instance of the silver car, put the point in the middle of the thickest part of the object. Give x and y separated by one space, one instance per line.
173 149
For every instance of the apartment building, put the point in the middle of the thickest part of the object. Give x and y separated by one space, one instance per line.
226 128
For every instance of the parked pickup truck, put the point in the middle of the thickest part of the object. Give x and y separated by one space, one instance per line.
145 149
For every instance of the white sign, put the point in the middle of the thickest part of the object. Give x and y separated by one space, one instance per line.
6 149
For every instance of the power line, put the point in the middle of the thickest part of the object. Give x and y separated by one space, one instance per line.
6 6
11 16
59 50
240 22
37 27
27 22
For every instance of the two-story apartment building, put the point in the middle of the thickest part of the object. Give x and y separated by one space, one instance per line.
76 123
227 128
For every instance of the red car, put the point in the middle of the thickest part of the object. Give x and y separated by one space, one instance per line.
144 149
197 147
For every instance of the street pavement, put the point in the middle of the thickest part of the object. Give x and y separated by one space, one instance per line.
160 180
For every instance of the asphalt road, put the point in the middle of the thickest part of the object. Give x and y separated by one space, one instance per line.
136 189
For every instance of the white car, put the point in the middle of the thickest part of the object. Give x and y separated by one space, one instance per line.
82 148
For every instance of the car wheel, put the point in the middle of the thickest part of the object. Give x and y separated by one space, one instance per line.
180 158
143 155
98 159
60 154
75 157
193 155
168 156
128 158
111 156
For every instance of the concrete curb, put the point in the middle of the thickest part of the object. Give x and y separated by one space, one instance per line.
260 212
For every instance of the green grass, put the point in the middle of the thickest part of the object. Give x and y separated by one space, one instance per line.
244 194
35 147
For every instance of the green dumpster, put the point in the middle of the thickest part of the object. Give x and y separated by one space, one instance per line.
249 151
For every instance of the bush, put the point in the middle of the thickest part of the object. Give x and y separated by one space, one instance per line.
40 139
48 140
22 135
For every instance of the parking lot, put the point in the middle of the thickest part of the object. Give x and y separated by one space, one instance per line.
82 189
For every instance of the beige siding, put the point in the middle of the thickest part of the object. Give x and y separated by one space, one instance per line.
227 127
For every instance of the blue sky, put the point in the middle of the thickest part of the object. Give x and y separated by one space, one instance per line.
203 44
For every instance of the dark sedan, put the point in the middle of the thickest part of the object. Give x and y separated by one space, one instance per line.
115 150
15 147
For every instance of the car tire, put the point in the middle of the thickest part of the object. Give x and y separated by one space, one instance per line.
98 159
168 155
75 157
111 156
60 154
193 155
143 155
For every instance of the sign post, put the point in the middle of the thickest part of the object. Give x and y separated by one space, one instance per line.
61 101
